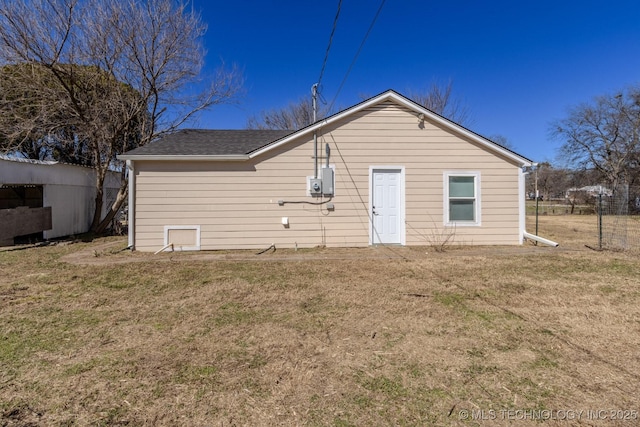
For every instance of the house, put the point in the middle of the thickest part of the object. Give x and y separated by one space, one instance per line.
587 192
385 171
47 199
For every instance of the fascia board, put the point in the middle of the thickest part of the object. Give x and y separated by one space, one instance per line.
385 96
321 123
183 157
391 95
461 130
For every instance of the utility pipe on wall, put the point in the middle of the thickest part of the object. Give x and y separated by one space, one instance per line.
131 212
314 105
327 150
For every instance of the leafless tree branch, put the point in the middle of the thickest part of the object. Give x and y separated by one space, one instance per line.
603 135
85 80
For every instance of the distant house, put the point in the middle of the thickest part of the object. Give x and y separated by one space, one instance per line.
588 191
47 199
385 171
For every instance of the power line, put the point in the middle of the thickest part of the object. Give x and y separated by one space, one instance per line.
333 30
355 58
375 18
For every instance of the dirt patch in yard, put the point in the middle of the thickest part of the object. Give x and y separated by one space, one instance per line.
115 252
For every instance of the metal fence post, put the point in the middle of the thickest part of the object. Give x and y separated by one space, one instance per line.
600 220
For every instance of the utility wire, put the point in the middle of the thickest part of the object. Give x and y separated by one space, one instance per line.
355 58
364 204
333 30
335 22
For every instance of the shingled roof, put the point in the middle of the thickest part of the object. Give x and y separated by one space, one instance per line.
239 145
204 142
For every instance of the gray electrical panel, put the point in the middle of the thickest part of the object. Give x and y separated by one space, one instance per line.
327 181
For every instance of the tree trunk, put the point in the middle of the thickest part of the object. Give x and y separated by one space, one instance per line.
97 213
113 209
101 170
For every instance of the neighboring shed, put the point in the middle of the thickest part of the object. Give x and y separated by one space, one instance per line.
397 174
32 191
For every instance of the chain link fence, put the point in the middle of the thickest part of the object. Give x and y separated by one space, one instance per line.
617 228
616 215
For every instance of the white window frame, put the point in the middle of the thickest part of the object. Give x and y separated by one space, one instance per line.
476 189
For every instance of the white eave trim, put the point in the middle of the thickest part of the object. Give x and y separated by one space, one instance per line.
386 96
393 96
319 124
183 157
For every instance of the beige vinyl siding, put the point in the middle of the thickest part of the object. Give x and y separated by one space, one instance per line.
236 203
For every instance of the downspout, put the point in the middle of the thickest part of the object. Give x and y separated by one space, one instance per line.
540 239
522 204
131 216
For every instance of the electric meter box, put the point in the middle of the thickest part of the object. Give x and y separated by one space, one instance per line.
315 186
327 181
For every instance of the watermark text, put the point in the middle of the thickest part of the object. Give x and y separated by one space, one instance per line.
548 414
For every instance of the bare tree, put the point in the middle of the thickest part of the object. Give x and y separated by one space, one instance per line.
297 115
502 141
552 181
575 182
111 75
40 124
439 99
293 117
603 135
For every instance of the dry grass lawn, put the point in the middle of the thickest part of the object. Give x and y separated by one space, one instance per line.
362 337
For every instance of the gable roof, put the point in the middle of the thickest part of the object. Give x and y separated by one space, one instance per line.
247 144
208 143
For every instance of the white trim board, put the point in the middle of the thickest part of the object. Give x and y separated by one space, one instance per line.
168 228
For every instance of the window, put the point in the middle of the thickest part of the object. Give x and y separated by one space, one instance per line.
462 201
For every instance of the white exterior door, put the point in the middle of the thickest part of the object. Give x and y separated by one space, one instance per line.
386 206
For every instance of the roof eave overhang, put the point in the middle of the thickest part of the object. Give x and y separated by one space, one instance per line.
184 157
516 158
320 124
386 96
393 96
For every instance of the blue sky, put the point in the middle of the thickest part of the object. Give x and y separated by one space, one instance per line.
517 66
